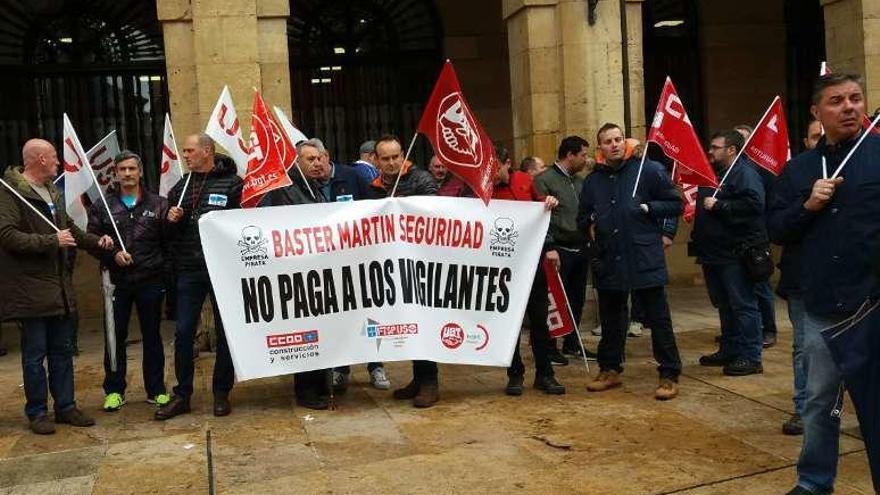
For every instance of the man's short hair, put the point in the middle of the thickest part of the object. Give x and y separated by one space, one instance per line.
607 127
571 144
313 143
205 141
528 163
128 155
731 137
501 153
387 138
368 147
833 79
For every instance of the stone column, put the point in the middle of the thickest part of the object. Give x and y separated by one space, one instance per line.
566 75
852 41
212 43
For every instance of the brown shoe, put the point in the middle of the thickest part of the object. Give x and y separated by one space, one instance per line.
42 425
176 407
407 392
428 395
74 417
667 389
605 381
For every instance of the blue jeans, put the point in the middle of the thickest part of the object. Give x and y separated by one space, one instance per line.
767 306
733 294
796 311
817 465
41 338
573 270
192 289
148 299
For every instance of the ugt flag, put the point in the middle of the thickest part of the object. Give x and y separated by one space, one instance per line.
224 129
559 318
768 144
266 170
77 176
171 171
672 131
684 177
457 138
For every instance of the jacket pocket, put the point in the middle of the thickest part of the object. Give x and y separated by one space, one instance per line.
648 252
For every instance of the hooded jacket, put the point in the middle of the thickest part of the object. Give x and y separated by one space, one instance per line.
36 280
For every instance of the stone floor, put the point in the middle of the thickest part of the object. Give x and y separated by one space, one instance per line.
722 436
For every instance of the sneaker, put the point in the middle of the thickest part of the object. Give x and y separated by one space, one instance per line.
159 400
549 385
340 382
743 367
668 389
715 359
769 340
604 381
408 392
634 330
379 380
74 417
42 425
793 425
557 358
597 331
428 395
113 402
514 385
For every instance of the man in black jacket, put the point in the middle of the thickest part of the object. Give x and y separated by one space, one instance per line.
724 226
137 275
213 186
423 389
629 256
837 223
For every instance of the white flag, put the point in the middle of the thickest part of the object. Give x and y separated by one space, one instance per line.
77 178
294 134
101 158
223 127
171 171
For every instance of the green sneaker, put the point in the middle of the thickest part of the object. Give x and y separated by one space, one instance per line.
114 401
159 400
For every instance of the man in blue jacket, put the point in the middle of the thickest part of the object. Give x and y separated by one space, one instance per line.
725 226
628 238
837 222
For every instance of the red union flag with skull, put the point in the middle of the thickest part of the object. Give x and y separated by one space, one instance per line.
266 170
458 140
672 131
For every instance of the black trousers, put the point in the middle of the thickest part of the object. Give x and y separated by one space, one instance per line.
614 315
539 333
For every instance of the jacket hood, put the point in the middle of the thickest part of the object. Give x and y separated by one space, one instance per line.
13 176
224 165
628 152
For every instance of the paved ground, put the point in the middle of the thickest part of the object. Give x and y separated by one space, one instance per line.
722 436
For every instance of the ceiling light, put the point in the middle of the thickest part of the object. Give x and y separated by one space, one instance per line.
669 23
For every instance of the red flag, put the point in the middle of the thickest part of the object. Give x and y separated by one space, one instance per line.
672 131
768 144
265 170
458 140
683 176
559 318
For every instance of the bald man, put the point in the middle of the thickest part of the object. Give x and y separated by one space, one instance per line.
36 284
213 186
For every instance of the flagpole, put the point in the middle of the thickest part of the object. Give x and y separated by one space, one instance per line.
745 145
854 148
185 185
576 325
641 166
405 158
19 196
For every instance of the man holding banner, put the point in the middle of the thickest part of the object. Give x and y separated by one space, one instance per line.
626 230
137 276
211 185
35 233
834 213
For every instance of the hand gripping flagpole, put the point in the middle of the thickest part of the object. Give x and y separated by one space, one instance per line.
853 150
743 149
408 151
28 203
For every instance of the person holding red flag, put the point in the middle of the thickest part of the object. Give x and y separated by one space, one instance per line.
627 235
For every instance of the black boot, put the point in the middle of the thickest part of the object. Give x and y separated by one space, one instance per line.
549 385
514 385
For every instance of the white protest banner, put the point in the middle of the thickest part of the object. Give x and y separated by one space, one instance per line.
317 286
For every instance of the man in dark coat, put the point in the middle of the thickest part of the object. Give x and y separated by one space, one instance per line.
137 275
724 227
213 186
423 389
36 284
627 233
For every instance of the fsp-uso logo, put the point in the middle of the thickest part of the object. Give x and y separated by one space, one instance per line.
397 333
